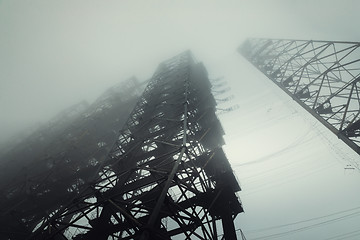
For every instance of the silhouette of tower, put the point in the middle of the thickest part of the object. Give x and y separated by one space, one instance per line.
46 169
166 177
322 76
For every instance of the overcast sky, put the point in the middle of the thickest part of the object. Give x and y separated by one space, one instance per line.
56 53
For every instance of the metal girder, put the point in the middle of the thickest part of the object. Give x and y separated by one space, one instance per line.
322 76
165 176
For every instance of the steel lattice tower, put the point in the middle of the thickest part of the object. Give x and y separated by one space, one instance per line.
166 176
322 76
52 164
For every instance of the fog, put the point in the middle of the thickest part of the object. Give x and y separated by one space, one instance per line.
54 54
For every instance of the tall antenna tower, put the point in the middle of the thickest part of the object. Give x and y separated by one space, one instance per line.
322 76
166 177
43 171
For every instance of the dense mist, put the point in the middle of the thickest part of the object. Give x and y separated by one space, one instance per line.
54 54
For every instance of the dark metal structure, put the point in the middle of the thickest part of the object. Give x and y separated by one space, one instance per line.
42 172
322 76
166 177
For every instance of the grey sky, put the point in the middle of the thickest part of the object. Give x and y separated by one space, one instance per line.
56 53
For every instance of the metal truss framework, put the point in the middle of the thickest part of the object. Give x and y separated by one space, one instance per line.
50 166
322 76
167 175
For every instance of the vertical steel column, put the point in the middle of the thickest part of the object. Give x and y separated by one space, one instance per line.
155 213
228 224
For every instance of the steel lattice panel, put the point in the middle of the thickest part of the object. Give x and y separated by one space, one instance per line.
167 174
322 76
